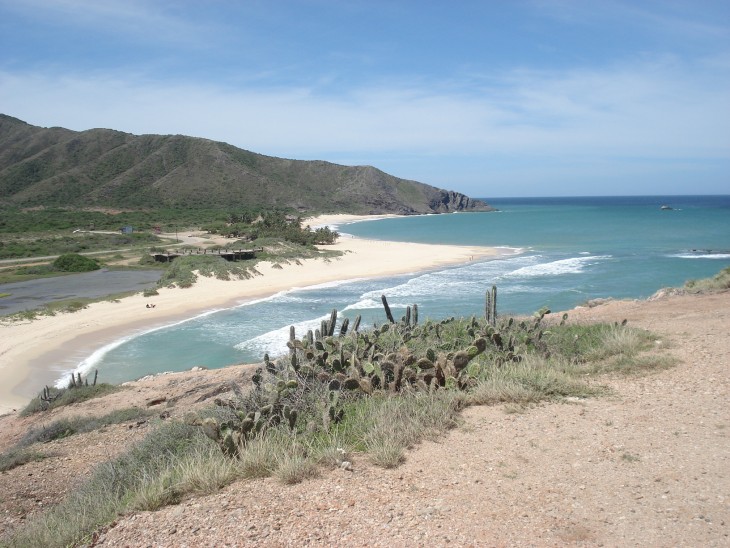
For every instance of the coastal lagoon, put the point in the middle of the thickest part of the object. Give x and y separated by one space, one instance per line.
559 253
33 294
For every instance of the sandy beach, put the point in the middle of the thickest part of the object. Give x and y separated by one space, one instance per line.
30 350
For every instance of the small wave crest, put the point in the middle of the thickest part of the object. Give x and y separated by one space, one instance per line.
573 265
699 255
274 342
92 361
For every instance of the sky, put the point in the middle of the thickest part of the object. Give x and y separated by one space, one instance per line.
489 98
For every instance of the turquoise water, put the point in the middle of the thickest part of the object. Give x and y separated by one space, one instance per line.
571 250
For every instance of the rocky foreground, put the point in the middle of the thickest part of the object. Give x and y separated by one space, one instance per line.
646 466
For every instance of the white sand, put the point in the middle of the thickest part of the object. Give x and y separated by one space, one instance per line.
28 349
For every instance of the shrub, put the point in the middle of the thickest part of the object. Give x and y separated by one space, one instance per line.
73 262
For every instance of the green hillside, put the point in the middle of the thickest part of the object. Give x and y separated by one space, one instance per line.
57 167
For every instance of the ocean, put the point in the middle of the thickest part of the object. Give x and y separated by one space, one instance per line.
565 251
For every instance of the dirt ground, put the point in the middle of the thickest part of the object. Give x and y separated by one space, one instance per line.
648 465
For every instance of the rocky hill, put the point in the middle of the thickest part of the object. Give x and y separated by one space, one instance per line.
102 167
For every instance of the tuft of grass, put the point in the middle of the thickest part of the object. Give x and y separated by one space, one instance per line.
18 456
719 282
385 426
638 365
203 471
295 468
68 396
530 381
63 428
258 460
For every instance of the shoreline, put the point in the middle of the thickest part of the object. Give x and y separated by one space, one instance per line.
30 351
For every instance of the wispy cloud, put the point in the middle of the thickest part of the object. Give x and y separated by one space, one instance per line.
138 19
657 108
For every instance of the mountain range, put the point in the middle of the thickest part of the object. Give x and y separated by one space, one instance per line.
58 167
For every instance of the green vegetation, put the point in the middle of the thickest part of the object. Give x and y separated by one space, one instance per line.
120 485
62 307
18 456
182 271
64 428
109 169
73 262
343 392
51 398
279 237
718 282
14 246
19 222
271 224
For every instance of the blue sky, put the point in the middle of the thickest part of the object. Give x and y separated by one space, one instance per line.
490 98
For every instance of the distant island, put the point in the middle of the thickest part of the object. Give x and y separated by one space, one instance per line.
57 167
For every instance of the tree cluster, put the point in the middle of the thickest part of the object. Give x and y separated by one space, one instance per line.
272 224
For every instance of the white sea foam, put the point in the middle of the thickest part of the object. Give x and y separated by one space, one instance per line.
574 265
274 342
89 363
364 304
701 255
432 284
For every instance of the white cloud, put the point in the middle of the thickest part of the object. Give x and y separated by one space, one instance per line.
647 106
655 110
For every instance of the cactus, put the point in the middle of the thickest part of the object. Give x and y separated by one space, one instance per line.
332 322
351 383
364 363
488 308
388 313
344 326
256 378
